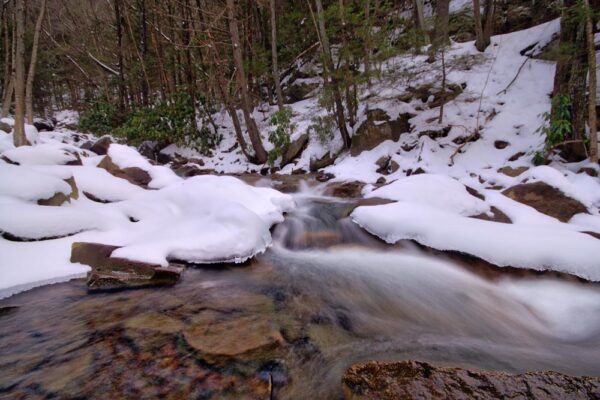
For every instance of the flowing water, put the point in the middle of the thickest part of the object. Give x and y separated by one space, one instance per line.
335 294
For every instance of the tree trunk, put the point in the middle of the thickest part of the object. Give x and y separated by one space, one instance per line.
333 81
19 129
488 28
119 23
7 81
419 15
32 62
274 56
259 150
11 83
592 124
442 18
480 43
368 32
570 77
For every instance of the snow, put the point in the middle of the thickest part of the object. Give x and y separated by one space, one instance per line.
28 184
204 219
438 191
517 245
44 154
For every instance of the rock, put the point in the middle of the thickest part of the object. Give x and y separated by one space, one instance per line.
294 149
386 165
452 91
436 133
58 199
546 199
317 239
87 145
324 176
149 149
101 146
298 92
588 170
516 156
415 172
381 181
76 161
112 272
346 189
322 162
497 216
220 337
74 190
501 144
378 128
134 175
44 125
5 127
421 380
513 172
154 322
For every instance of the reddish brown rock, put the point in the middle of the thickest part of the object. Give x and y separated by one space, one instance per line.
421 380
546 199
113 272
134 175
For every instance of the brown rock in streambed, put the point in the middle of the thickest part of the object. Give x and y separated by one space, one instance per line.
421 380
113 272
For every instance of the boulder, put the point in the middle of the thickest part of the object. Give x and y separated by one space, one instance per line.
325 161
44 125
5 127
546 199
113 273
134 175
299 91
386 165
346 189
294 150
421 380
101 146
378 128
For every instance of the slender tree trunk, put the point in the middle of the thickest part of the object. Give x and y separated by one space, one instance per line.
480 43
13 68
368 32
32 62
6 81
143 48
19 129
589 27
419 15
274 55
441 116
442 18
259 150
119 24
488 28
333 81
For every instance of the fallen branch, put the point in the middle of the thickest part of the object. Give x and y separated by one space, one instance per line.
515 78
102 65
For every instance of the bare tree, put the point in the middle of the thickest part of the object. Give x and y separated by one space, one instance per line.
10 65
32 62
259 150
19 137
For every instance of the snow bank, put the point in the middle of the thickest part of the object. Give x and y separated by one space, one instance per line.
526 246
43 154
28 184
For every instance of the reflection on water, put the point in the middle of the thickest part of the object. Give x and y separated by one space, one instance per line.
335 294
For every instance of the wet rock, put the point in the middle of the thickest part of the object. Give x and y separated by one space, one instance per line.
220 337
346 189
513 172
134 175
112 272
153 322
324 176
501 144
294 149
325 161
101 146
546 199
378 128
421 380
317 239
